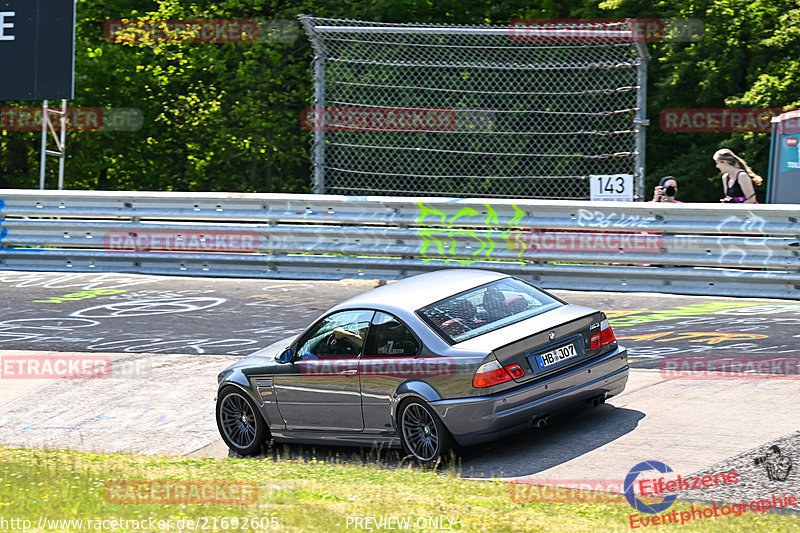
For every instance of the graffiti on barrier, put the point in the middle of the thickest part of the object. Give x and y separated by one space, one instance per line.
733 255
599 219
604 232
443 242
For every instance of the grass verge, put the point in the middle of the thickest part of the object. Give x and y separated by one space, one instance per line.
291 495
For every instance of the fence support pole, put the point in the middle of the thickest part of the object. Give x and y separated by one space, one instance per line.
641 122
319 125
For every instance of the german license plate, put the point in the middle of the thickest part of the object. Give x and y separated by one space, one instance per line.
556 356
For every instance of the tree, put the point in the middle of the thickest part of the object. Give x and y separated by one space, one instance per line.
226 116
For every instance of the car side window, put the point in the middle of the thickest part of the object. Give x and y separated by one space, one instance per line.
390 337
340 334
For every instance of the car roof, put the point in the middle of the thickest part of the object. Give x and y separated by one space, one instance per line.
410 294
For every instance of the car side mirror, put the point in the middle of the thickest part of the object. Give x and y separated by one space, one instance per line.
287 356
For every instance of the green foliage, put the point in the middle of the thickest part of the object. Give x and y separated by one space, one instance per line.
226 116
746 58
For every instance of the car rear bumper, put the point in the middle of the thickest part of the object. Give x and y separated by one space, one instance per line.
476 420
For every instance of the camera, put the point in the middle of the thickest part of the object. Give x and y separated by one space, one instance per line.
670 190
773 451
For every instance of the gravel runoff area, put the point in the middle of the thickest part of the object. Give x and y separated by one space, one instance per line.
753 480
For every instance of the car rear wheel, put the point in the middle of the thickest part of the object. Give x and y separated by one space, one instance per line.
240 424
422 433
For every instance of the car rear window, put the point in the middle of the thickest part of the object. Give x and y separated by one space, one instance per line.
486 308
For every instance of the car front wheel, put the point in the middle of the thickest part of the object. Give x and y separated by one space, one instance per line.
422 433
239 422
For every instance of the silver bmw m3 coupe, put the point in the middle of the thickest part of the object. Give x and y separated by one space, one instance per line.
435 361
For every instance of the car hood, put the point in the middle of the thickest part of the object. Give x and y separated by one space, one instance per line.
264 355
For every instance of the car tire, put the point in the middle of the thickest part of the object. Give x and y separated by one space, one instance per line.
422 433
239 422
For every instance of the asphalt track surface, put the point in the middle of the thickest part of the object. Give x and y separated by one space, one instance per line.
151 314
168 337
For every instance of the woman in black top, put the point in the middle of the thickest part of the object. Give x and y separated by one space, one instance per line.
738 179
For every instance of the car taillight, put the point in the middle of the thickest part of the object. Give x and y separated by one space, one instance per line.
515 370
489 374
606 336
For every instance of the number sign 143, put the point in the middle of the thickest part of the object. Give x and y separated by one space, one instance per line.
617 187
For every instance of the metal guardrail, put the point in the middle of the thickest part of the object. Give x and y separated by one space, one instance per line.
738 250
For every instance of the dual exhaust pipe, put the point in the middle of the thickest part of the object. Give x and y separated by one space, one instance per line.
598 400
544 421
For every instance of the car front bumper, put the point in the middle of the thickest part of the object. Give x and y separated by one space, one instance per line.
485 418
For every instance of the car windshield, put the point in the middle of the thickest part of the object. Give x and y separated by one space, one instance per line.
486 308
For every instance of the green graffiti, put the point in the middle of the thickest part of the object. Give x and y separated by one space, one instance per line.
427 239
465 212
446 244
443 242
491 218
518 214
491 215
424 211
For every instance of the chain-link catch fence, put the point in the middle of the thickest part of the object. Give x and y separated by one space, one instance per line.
474 111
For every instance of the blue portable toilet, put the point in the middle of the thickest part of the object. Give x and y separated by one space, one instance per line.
784 162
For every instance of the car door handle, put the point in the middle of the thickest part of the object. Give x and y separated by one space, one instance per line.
349 372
